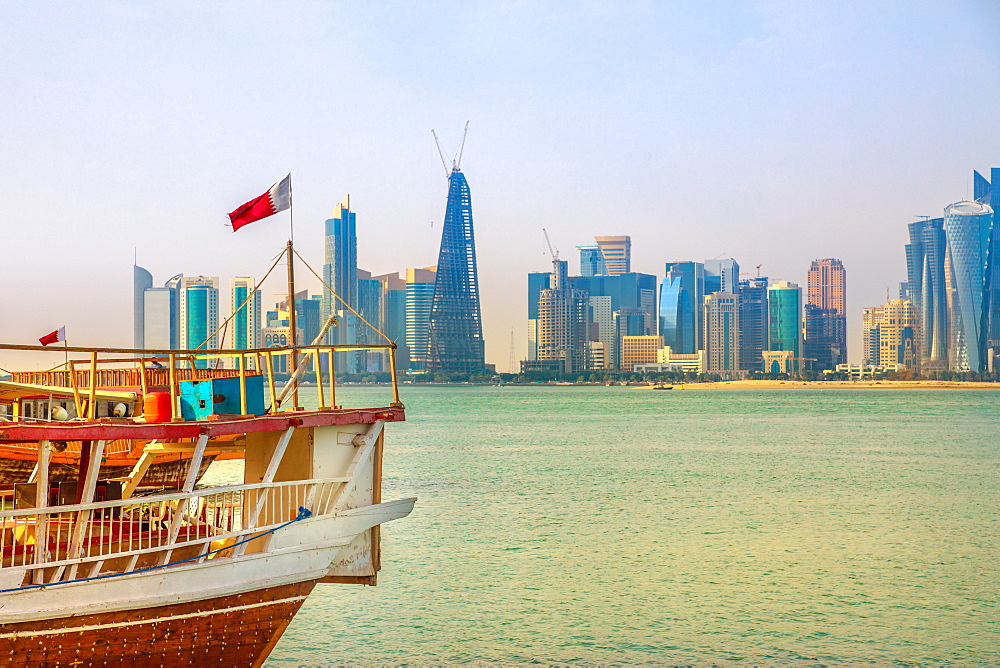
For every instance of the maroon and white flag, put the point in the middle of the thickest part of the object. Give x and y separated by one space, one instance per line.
278 198
54 337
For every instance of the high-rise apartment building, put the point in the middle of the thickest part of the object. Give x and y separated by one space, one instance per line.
785 321
827 285
898 333
682 295
602 331
340 272
419 294
563 321
722 331
455 331
825 340
871 319
244 329
617 254
969 230
925 284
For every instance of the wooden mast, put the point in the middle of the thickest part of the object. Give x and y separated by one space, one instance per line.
292 326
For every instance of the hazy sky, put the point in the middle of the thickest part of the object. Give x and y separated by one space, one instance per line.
770 132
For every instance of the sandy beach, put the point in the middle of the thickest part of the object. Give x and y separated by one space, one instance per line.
838 385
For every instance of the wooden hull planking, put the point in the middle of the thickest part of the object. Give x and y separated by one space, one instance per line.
233 630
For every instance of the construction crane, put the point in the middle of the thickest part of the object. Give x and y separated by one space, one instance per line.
554 252
758 269
456 165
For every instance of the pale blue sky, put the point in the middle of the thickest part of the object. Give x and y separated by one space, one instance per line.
771 132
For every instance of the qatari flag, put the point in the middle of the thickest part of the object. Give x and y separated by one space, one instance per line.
54 337
278 198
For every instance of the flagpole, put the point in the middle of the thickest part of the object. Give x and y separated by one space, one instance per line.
292 324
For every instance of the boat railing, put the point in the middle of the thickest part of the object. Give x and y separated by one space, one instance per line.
109 538
87 372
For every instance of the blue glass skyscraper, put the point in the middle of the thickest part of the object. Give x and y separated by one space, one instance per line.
682 295
969 227
989 193
340 272
591 261
455 328
925 280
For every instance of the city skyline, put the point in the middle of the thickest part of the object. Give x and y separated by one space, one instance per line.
773 133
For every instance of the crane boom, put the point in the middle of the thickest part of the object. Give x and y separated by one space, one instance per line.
441 153
552 251
458 163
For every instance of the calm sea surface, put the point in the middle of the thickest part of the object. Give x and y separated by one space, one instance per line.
598 525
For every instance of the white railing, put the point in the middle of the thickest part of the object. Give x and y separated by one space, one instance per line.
63 543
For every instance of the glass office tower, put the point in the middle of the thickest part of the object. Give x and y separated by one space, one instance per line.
682 295
969 228
455 328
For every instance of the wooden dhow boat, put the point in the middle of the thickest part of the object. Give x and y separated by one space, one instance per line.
101 567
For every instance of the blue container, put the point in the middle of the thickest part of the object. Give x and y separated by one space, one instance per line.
220 396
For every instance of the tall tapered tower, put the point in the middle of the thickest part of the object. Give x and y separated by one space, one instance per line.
455 329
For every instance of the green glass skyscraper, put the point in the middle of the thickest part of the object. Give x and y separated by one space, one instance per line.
785 309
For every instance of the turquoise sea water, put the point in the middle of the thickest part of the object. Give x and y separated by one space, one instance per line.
615 525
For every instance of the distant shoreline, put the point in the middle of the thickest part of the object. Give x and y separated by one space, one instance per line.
838 385
732 385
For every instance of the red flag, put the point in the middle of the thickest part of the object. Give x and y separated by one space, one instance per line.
278 198
53 337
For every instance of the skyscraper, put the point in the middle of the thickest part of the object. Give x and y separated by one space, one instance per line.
897 333
785 326
925 273
989 193
245 326
617 254
455 329
394 317
340 272
825 341
370 308
141 281
753 322
563 318
682 295
155 312
198 299
827 285
722 275
722 331
419 294
871 318
969 228
591 261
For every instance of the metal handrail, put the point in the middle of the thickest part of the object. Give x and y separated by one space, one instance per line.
158 498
